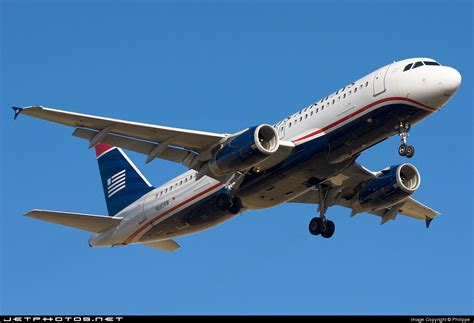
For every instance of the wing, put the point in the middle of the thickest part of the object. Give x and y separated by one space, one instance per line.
166 245
188 147
348 183
410 207
197 141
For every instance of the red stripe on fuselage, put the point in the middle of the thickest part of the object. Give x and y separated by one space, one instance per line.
133 235
332 125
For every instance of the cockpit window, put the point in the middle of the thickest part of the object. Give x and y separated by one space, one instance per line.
418 64
432 63
407 67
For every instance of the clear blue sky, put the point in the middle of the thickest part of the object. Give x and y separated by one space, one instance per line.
223 67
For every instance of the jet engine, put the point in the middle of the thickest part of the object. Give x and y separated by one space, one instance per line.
391 186
246 150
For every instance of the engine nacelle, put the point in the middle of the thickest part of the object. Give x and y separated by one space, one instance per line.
392 186
251 147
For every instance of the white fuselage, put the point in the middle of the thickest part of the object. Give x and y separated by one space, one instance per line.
426 87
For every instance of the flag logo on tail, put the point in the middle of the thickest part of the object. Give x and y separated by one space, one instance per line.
115 183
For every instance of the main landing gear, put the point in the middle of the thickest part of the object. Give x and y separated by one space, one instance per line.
321 225
404 149
225 202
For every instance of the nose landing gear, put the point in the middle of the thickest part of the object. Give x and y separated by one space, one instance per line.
405 150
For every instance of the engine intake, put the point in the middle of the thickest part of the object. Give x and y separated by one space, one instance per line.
392 186
248 149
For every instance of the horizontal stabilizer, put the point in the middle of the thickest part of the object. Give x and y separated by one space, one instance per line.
166 245
87 222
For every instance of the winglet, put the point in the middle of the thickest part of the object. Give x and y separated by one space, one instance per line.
428 221
17 111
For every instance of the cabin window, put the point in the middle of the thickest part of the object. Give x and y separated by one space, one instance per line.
355 90
344 96
317 110
289 125
306 116
301 119
366 84
312 112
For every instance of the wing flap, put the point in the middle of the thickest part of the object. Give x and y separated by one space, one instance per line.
176 155
187 139
166 245
87 222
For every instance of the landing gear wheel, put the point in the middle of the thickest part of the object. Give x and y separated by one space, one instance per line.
321 225
315 226
328 229
402 150
236 206
223 201
410 152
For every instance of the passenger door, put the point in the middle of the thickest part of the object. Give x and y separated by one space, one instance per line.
379 80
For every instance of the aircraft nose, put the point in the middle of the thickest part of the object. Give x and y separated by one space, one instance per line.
450 81
438 85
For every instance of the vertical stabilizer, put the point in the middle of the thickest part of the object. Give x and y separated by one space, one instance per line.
122 182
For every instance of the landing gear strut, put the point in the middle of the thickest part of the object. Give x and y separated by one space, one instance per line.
321 225
404 149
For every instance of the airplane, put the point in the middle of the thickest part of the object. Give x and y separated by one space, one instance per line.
309 157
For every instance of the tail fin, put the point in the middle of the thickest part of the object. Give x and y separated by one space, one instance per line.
122 182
